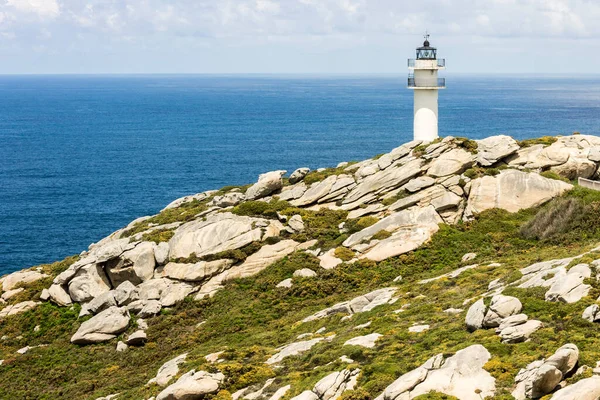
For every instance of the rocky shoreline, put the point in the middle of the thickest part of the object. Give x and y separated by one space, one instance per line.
389 206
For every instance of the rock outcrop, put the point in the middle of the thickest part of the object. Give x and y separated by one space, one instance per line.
461 375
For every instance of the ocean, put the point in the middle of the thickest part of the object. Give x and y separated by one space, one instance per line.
81 156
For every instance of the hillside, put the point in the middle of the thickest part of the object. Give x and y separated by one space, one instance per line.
453 269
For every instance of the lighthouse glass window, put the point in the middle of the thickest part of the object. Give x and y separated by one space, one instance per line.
426 54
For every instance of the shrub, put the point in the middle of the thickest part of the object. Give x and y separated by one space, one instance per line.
492 171
162 235
358 224
381 235
471 173
545 140
553 175
557 218
435 396
261 208
467 144
316 176
344 254
358 394
398 196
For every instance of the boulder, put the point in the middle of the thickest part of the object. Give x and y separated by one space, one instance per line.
227 200
452 162
461 375
541 377
585 389
500 308
137 338
384 181
161 253
89 282
329 260
197 272
475 316
102 327
98 304
263 258
359 304
18 308
333 385
403 219
188 199
121 347
494 148
512 190
11 281
192 385
296 223
304 273
285 284
267 183
419 183
168 371
294 192
59 295
298 175
592 313
293 349
402 241
126 293
11 293
220 232
316 192
367 341
570 287
135 265
520 333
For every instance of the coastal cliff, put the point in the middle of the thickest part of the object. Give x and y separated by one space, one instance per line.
465 268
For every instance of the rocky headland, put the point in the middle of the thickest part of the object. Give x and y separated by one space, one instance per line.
453 269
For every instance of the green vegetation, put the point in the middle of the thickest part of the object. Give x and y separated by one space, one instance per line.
467 144
316 176
344 254
160 235
250 318
553 175
421 149
545 140
356 225
184 213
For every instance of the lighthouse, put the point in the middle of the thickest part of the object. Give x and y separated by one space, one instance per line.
423 79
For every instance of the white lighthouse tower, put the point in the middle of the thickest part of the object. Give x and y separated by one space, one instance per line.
423 79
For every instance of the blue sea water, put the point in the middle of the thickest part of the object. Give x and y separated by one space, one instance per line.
81 156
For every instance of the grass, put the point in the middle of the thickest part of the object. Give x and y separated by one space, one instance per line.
250 318
545 140
316 176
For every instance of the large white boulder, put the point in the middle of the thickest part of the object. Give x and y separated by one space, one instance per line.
17 308
220 232
293 349
102 327
267 184
197 272
570 288
494 148
585 389
452 162
192 385
135 265
298 175
367 341
461 375
89 282
512 190
384 181
9 282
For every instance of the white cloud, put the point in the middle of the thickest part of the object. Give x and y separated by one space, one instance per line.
43 8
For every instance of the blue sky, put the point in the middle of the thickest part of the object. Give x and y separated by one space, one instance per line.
296 36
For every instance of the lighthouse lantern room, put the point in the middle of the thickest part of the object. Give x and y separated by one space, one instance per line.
423 79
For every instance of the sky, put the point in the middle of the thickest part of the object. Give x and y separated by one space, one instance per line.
296 36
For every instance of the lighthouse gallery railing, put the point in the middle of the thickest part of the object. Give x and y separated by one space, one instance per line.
426 83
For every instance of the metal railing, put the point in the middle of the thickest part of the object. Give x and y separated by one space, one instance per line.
426 83
441 62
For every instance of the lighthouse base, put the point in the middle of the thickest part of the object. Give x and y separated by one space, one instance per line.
426 115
